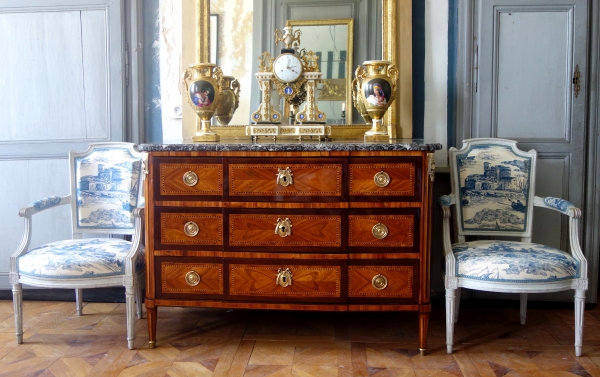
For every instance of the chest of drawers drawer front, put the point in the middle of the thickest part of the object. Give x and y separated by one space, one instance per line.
385 179
285 280
285 229
181 177
396 282
284 180
193 277
178 227
391 229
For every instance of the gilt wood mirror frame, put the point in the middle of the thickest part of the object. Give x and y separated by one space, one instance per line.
397 48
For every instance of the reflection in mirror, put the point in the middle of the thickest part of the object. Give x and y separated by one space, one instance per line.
392 23
332 42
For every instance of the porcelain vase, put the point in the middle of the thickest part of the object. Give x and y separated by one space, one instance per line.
203 84
377 91
229 100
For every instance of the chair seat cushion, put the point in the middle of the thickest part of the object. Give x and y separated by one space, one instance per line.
81 258
508 261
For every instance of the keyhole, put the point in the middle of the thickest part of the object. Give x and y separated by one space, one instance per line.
283 229
285 179
284 279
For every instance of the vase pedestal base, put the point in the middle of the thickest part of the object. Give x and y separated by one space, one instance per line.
376 137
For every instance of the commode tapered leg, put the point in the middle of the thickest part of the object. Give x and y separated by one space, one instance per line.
18 309
450 308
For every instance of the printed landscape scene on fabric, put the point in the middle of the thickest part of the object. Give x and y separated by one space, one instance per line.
107 189
513 262
494 189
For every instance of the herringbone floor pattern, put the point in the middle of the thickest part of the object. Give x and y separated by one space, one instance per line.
205 342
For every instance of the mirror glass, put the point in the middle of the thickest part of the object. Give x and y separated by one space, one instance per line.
331 41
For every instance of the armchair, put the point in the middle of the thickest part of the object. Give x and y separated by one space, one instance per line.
107 203
493 185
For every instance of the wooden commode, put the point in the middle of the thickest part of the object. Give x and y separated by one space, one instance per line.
319 226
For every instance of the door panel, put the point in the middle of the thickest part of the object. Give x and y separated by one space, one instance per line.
61 88
544 59
526 53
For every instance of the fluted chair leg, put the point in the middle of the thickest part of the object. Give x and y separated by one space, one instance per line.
457 304
450 309
130 313
79 301
18 309
579 308
523 310
138 296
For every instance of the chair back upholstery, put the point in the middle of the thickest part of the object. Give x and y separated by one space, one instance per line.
493 183
105 188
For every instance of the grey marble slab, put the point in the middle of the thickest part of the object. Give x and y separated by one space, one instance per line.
290 145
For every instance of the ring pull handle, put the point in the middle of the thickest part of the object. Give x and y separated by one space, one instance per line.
283 227
191 229
284 277
380 231
284 176
192 278
382 179
190 178
379 282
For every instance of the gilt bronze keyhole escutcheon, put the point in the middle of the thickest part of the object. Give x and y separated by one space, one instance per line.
283 227
284 176
284 277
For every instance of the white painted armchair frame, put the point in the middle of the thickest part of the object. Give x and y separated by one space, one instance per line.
132 281
453 284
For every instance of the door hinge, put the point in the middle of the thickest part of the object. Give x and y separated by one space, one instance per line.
126 65
576 81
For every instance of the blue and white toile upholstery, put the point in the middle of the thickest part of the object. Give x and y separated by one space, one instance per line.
493 189
106 202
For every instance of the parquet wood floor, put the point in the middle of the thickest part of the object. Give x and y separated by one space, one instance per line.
207 342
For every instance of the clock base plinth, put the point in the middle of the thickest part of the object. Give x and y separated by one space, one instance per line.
206 137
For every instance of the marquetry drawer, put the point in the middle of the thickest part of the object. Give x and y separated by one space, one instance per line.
285 229
188 176
285 280
178 278
386 179
394 282
180 227
285 179
384 229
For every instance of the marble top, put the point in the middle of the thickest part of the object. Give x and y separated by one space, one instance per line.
290 145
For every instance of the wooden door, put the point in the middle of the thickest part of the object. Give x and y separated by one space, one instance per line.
530 70
62 88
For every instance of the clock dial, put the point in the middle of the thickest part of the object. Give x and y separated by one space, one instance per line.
287 67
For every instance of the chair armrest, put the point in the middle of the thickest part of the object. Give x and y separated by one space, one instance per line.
445 201
557 204
44 204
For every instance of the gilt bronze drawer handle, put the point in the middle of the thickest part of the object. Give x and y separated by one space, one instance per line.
192 278
284 277
380 231
379 282
283 227
190 178
382 179
284 176
191 228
